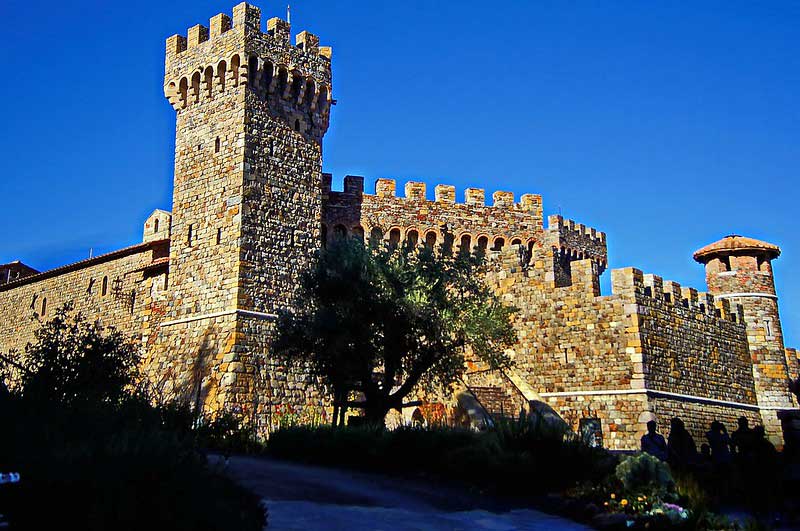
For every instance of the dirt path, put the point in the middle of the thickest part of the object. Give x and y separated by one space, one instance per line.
301 497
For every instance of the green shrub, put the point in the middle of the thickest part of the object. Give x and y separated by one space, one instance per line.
94 454
644 473
503 460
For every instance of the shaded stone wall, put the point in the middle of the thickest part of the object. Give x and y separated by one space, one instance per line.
608 357
107 288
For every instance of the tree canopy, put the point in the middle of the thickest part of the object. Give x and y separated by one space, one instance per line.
377 324
75 361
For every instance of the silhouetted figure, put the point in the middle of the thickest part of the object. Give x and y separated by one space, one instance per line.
682 448
742 438
705 453
653 442
763 449
719 443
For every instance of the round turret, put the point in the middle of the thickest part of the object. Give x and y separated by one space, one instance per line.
737 265
739 269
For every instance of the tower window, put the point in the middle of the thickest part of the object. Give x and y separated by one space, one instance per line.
768 331
133 301
190 235
466 243
104 288
44 306
219 236
483 242
216 145
297 125
412 237
726 263
155 225
430 240
394 238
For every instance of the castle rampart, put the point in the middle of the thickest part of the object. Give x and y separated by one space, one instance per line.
251 208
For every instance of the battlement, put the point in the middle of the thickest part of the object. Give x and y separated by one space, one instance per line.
632 282
235 52
246 18
575 241
414 191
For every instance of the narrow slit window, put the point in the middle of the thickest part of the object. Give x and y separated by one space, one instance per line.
104 289
219 236
190 235
768 331
216 145
44 306
155 225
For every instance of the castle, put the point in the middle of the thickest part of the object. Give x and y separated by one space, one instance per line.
251 206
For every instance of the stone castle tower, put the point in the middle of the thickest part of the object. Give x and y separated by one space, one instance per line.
252 111
739 269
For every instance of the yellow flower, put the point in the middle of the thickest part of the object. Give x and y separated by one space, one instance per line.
613 496
624 503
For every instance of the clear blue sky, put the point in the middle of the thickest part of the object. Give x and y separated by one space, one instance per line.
666 124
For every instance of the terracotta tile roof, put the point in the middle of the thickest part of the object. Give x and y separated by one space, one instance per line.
735 244
127 251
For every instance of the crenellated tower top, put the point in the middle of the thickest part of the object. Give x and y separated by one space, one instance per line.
293 79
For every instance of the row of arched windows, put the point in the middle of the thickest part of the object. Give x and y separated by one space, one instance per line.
466 242
264 78
267 78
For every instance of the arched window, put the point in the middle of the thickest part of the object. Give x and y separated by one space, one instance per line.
516 241
449 238
44 306
155 225
339 232
375 237
222 71
483 242
394 238
430 240
196 87
283 80
252 77
412 237
297 84
209 83
466 244
266 77
499 243
358 233
216 145
104 287
235 62
183 90
322 99
308 97
530 245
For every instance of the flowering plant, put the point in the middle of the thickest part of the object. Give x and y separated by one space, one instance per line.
675 513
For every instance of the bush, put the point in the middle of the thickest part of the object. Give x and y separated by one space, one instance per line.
94 454
509 459
644 473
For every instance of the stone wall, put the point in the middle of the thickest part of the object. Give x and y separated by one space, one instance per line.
111 288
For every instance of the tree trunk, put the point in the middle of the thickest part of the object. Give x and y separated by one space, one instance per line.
375 414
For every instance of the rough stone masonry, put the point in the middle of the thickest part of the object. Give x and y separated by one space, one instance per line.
251 207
